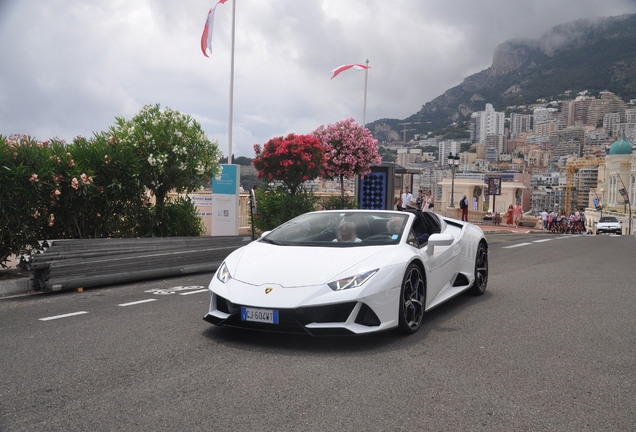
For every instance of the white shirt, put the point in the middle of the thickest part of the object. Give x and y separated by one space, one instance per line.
406 199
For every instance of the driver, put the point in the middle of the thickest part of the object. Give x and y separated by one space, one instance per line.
347 232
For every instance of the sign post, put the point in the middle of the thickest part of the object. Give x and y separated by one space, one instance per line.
225 203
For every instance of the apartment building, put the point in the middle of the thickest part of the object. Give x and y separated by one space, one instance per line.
484 123
607 103
577 110
519 124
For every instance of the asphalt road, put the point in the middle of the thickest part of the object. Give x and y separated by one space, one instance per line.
550 347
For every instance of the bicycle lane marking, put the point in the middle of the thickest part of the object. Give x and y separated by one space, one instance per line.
62 316
137 302
194 292
192 289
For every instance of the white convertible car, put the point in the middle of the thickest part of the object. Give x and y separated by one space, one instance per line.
349 272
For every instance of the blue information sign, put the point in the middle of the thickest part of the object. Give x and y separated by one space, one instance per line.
226 184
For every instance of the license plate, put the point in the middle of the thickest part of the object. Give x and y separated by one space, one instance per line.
259 315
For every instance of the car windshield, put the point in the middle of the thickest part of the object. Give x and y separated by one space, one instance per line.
606 219
340 229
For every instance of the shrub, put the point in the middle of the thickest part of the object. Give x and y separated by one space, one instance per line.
276 206
100 192
339 203
179 218
27 171
291 161
173 151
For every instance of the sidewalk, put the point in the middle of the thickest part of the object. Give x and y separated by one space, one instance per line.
490 228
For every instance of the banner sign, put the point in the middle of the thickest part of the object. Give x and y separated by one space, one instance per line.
623 193
494 186
225 202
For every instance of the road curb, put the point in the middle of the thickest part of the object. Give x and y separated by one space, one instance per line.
15 286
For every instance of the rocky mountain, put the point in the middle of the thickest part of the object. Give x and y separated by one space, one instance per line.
590 54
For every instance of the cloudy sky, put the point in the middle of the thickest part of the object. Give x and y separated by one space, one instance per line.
69 67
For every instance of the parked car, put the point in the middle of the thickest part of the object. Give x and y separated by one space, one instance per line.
609 224
349 272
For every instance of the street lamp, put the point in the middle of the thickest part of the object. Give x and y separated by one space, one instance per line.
453 161
625 196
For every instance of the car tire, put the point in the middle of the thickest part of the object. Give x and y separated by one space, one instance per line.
412 300
481 271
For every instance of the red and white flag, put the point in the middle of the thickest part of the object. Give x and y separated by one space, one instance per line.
206 37
342 68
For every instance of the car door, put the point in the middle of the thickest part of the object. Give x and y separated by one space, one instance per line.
440 263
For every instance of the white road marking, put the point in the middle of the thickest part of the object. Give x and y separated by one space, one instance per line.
137 302
63 316
517 245
164 291
541 241
194 292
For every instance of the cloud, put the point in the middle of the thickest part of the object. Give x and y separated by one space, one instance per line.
71 66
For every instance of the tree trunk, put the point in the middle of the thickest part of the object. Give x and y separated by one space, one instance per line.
342 199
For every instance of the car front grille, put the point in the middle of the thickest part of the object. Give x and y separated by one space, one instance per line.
291 320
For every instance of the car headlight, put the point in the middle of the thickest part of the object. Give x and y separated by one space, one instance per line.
223 274
351 282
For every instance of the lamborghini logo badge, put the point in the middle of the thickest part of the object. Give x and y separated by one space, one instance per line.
268 290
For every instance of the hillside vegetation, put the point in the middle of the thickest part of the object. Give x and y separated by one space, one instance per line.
593 55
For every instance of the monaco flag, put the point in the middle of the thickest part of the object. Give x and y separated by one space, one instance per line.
206 37
342 68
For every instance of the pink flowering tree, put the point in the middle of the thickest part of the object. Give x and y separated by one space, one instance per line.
351 150
291 160
285 163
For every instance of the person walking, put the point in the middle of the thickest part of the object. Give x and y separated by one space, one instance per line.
509 219
516 212
463 204
406 198
397 204
419 201
544 219
553 219
429 202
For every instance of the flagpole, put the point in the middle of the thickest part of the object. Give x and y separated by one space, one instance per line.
229 135
364 112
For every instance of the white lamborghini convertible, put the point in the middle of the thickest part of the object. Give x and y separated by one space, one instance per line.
349 272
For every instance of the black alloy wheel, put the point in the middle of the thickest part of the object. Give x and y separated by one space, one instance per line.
481 271
412 300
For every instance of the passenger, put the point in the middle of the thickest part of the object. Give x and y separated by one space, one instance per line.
394 225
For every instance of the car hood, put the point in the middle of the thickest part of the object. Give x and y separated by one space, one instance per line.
295 266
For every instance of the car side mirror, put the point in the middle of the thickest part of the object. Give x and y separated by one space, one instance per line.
438 240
